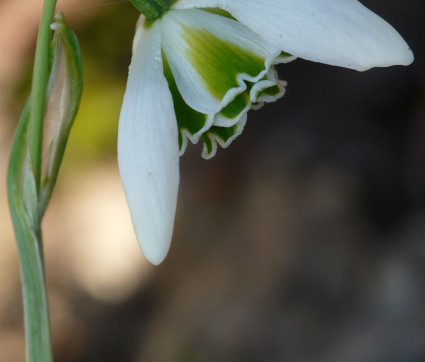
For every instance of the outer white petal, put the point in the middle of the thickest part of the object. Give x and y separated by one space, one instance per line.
148 151
336 32
189 63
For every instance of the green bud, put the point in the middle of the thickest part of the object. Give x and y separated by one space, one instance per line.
63 98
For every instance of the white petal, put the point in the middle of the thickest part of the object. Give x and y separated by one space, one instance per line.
198 44
336 32
148 151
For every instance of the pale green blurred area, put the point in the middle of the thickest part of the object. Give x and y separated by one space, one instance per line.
304 241
88 176
95 129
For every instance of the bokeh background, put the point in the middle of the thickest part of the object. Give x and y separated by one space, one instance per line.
304 241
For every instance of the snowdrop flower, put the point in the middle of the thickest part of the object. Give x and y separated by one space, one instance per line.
198 66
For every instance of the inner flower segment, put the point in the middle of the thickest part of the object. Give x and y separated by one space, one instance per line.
217 70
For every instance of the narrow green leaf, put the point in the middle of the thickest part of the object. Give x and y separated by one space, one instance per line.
21 182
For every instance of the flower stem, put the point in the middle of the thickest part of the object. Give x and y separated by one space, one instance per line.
23 208
23 191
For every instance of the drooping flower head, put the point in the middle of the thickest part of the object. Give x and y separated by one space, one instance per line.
199 66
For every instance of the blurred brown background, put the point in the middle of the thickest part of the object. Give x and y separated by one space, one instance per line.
304 241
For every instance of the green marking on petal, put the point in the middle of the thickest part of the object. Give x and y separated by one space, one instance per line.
271 91
221 135
235 107
224 133
284 55
219 62
187 118
208 144
218 11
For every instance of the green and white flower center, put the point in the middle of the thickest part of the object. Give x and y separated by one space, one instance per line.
217 70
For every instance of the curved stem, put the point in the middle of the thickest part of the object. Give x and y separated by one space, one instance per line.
23 190
22 203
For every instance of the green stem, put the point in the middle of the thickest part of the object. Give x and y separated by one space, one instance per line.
23 206
36 309
23 190
39 87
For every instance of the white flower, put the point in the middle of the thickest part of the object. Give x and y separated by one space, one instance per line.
200 66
